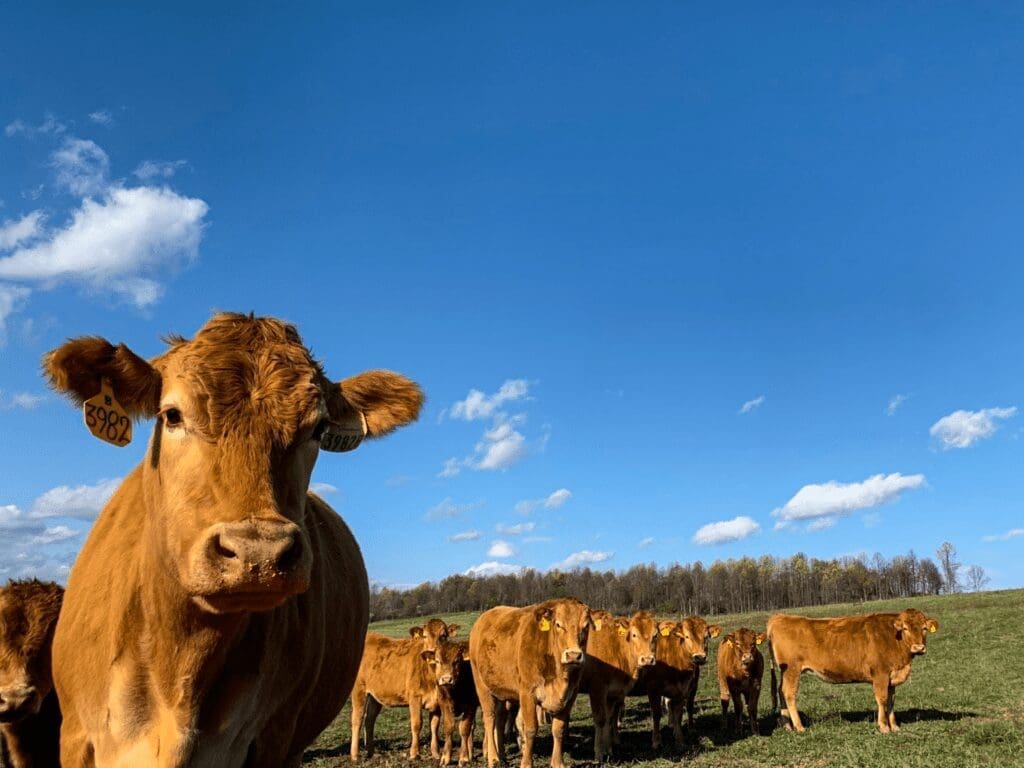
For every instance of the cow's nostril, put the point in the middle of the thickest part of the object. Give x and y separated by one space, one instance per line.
290 557
222 549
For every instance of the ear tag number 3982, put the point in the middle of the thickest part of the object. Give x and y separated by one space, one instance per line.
105 417
342 436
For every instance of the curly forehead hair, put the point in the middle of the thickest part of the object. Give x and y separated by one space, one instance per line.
28 613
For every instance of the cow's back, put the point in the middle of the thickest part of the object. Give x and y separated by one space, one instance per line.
494 647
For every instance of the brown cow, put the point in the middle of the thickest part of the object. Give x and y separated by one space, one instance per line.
681 650
400 673
29 714
532 655
618 649
740 670
217 612
459 700
875 648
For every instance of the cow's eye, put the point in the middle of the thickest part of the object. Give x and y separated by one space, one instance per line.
173 418
318 430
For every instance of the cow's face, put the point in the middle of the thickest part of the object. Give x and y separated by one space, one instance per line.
695 633
241 410
566 623
743 643
433 632
912 629
28 616
445 662
640 633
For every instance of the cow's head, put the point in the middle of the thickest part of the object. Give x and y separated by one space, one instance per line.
743 643
640 633
446 662
913 628
241 410
434 632
566 624
28 616
695 632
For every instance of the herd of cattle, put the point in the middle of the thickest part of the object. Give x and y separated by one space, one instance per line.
217 614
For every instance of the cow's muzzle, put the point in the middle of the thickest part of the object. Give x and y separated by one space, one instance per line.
446 680
918 649
18 702
699 658
646 661
572 656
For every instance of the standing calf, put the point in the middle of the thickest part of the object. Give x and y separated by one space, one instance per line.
740 669
29 715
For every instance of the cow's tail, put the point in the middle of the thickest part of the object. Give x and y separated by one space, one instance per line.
775 682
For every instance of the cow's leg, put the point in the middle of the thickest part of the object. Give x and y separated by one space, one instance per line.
723 698
654 698
790 685
676 709
892 709
599 710
559 727
753 695
373 708
881 688
358 710
691 698
466 736
615 722
527 720
736 692
415 724
435 727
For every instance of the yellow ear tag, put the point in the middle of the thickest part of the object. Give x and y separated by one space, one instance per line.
931 628
728 642
715 632
465 657
342 436
665 632
758 641
545 625
105 417
622 631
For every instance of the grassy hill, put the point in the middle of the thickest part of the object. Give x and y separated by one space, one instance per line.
963 706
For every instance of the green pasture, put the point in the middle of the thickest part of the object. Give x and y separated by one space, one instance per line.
963 706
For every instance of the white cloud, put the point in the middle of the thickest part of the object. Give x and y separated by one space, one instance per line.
102 117
112 242
25 551
493 568
645 542
821 524
500 548
451 468
55 534
25 401
834 499
82 166
13 233
82 501
725 531
582 558
50 125
322 489
500 448
515 530
894 404
554 500
1013 533
11 299
750 405
471 535
446 509
153 169
962 429
477 405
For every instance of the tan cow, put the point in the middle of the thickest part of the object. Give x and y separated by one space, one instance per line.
532 655
681 650
29 714
400 672
618 649
216 615
875 648
740 671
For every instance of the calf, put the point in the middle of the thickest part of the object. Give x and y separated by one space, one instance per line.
459 701
618 650
29 714
740 670
532 655
875 648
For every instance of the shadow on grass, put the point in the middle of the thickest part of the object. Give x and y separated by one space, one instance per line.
905 716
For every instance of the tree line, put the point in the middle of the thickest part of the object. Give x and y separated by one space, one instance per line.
725 586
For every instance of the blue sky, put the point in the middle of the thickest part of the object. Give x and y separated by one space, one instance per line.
687 284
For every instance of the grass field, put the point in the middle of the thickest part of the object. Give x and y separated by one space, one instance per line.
963 706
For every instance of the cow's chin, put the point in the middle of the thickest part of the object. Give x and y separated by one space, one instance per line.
28 709
241 602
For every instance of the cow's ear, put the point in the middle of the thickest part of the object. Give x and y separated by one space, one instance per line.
714 630
665 628
386 400
760 638
932 625
428 656
543 617
453 630
79 367
416 631
622 626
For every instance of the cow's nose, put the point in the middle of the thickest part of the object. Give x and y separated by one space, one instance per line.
446 680
13 701
748 659
273 546
918 649
572 656
646 661
699 658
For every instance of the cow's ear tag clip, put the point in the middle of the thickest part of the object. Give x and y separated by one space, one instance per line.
665 632
545 625
345 435
105 417
931 628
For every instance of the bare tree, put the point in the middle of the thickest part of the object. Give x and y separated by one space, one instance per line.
950 567
976 578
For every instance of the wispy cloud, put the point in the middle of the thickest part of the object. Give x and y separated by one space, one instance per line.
493 568
322 489
834 500
478 405
894 404
1013 533
471 535
446 509
25 401
645 542
156 169
81 501
502 445
82 166
725 531
581 559
102 117
49 126
962 429
553 500
55 534
501 548
14 233
750 405
515 530
11 299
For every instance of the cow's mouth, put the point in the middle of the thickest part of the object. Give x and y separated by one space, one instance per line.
241 602
26 709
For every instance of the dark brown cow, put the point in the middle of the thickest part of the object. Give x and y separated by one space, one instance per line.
29 715
682 648
400 673
740 671
532 655
875 648
618 649
459 701
215 617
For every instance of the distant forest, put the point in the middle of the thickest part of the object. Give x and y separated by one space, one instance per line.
730 586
